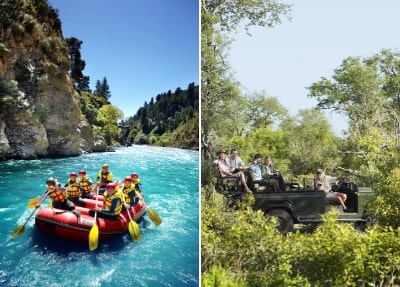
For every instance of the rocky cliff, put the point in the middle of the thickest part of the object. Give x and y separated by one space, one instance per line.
40 114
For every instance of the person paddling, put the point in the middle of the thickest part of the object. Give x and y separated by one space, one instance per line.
58 196
85 184
136 182
131 196
73 190
112 203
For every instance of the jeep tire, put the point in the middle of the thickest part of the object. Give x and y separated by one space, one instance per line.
285 220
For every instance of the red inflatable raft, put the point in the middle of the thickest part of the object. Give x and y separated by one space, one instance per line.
67 225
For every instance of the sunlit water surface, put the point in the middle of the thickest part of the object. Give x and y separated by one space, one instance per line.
167 255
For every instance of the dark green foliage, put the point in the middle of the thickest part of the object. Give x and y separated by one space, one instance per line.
90 105
8 11
166 113
102 89
77 64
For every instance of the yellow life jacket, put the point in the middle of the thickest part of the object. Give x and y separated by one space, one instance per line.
58 195
108 201
136 184
73 191
126 192
104 178
84 184
137 181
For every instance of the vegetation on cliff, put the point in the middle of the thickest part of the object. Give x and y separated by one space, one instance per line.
169 120
40 114
47 107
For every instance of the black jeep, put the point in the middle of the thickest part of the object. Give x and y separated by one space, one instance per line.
294 204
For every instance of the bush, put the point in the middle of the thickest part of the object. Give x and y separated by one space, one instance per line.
242 247
141 138
385 209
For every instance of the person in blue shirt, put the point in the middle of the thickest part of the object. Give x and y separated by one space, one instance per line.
255 168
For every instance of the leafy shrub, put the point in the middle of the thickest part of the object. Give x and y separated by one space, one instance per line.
243 246
386 206
141 138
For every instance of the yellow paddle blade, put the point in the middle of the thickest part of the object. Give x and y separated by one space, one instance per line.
18 231
33 201
134 231
94 237
154 217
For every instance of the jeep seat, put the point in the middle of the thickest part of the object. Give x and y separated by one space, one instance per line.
225 183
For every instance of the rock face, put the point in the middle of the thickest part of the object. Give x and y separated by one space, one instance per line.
40 115
45 127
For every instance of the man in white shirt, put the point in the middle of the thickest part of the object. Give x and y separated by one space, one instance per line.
235 162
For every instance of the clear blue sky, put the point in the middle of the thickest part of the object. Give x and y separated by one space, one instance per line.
284 60
142 47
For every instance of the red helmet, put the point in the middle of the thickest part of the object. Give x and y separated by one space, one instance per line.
83 172
128 179
72 174
110 185
134 174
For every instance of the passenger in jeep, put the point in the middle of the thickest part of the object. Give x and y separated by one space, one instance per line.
325 182
270 173
224 168
235 162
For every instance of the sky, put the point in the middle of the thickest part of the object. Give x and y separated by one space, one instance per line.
142 47
284 60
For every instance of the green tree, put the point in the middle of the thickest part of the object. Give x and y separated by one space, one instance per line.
310 142
263 110
367 91
77 64
102 88
108 116
218 19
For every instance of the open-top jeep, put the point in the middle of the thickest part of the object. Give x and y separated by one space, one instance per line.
295 204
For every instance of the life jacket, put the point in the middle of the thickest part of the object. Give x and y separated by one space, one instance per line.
84 184
108 201
58 195
73 191
126 192
104 178
136 185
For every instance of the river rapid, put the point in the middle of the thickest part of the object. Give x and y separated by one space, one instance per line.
166 255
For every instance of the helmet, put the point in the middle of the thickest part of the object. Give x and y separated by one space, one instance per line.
72 174
110 185
134 174
51 180
83 172
104 165
128 179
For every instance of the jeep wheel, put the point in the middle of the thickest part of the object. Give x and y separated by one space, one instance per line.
285 220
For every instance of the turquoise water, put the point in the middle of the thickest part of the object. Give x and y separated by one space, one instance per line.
167 255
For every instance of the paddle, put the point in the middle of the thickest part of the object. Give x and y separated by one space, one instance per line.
133 227
21 228
33 201
154 216
94 231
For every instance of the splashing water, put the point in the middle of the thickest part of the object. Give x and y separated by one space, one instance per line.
167 255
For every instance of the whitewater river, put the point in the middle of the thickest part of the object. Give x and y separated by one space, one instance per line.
167 255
